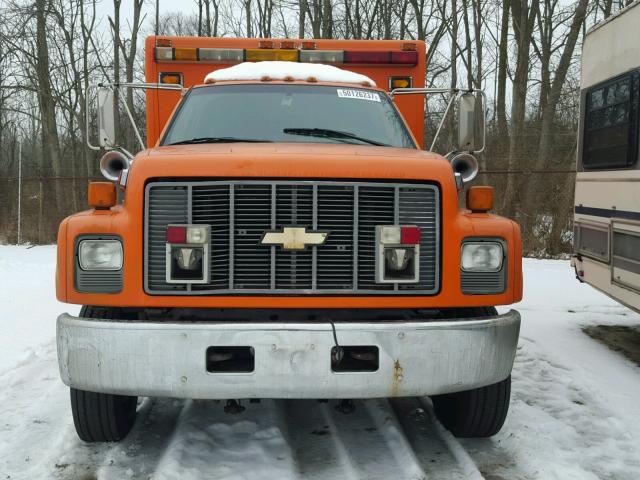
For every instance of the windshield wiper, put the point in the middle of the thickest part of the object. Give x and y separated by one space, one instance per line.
328 133
194 141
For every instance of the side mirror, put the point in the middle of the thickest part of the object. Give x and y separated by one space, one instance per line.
106 118
468 116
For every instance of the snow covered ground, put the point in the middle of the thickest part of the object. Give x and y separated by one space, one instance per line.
575 412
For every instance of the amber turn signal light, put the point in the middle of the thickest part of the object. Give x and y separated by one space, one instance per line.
185 54
480 199
171 78
102 195
399 82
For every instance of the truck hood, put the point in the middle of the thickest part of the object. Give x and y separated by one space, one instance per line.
290 160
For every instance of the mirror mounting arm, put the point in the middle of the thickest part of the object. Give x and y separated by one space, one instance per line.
133 123
444 117
454 93
112 86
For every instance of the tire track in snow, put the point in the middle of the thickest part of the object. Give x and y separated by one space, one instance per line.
318 451
455 447
374 442
138 455
386 421
208 443
436 456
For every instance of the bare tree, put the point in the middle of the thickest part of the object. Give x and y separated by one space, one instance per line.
50 140
129 55
52 50
550 103
265 17
211 30
524 16
115 34
302 12
503 60
247 9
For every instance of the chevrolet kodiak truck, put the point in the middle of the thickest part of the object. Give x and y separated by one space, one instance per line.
284 235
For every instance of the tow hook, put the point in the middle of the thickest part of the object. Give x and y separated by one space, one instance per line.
233 407
345 406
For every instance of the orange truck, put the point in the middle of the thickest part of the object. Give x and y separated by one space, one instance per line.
284 235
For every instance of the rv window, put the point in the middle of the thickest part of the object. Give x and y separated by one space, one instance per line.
611 124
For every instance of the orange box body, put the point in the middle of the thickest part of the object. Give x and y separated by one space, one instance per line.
160 104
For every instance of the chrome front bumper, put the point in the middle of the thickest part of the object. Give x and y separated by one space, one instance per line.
291 360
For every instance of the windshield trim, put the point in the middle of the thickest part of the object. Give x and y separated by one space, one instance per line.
169 125
401 120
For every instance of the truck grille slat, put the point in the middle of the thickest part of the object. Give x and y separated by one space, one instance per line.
167 205
240 212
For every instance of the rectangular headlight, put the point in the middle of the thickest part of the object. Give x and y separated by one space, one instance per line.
100 254
482 256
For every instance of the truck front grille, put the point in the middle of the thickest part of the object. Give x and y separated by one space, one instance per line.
240 212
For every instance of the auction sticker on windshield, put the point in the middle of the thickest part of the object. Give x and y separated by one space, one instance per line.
359 94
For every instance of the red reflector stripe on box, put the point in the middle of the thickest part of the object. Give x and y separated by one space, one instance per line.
367 57
410 235
405 58
176 234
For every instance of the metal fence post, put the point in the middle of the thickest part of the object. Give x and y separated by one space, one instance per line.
19 188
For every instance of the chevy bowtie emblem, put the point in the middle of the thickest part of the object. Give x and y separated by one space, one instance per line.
294 238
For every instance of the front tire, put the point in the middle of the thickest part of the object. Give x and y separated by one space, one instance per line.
479 412
102 417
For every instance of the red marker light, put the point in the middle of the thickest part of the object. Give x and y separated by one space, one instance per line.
410 235
367 57
176 234
266 44
405 57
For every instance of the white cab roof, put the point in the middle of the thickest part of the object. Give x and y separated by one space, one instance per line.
315 72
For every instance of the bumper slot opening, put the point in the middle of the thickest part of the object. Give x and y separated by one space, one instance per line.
230 359
354 358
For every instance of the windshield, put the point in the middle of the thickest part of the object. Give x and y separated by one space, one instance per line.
287 113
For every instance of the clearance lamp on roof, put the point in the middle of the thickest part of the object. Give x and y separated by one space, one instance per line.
289 51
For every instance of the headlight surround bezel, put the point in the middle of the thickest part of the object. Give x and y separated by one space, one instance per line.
483 242
96 240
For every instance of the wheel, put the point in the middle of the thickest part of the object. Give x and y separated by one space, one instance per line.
102 417
479 412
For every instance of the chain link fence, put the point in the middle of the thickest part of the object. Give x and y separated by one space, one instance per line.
32 212
543 206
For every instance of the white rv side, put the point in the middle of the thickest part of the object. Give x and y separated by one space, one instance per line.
607 198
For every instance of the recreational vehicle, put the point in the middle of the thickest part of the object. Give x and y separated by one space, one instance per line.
607 199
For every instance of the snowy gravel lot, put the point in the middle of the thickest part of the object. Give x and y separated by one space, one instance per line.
575 410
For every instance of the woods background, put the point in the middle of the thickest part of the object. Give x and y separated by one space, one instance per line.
523 53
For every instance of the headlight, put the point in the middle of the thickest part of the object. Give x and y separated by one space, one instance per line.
100 254
197 234
482 256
